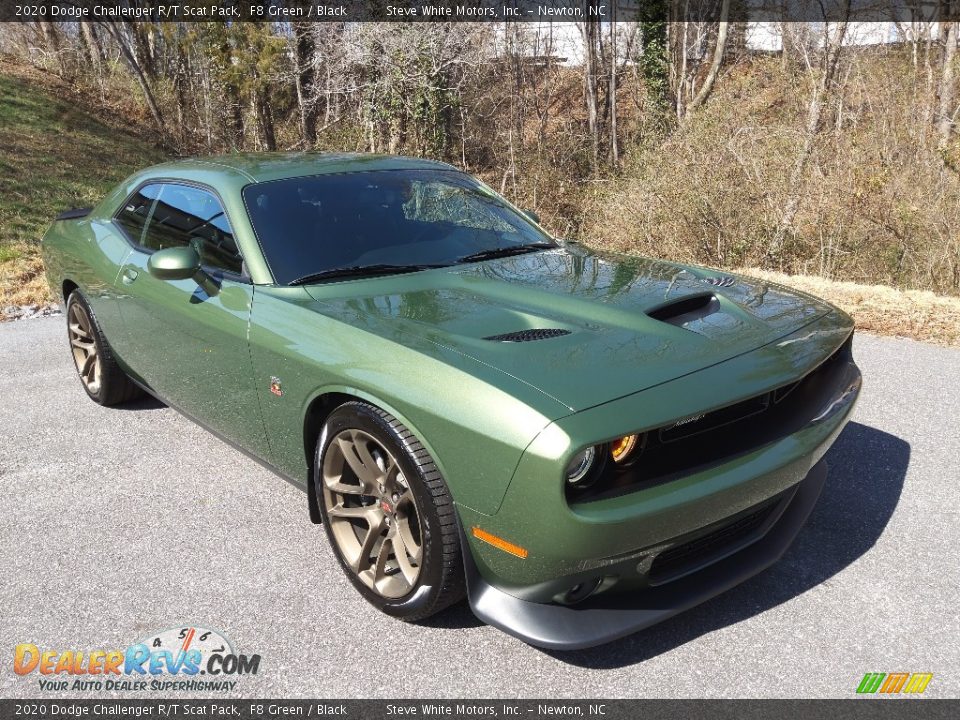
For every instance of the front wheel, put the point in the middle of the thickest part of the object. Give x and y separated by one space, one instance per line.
388 513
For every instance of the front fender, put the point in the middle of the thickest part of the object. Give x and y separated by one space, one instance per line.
466 414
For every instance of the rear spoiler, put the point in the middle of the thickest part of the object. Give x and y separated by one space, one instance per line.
74 214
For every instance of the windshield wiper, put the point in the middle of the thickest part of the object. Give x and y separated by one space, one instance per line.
500 252
361 271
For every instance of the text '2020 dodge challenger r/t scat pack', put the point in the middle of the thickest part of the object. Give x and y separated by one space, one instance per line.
582 443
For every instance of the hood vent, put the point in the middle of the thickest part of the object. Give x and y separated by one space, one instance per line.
686 310
528 335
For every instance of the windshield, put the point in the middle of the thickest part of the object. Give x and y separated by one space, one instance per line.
311 225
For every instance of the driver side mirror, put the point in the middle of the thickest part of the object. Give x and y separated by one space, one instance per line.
176 263
532 215
181 263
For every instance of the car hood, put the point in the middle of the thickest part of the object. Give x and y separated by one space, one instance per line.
615 325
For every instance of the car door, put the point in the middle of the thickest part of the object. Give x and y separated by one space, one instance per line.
186 339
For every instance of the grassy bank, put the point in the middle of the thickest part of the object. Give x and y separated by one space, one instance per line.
53 156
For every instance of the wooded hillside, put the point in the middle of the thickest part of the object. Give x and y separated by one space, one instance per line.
670 139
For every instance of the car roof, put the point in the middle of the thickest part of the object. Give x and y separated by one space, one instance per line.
264 167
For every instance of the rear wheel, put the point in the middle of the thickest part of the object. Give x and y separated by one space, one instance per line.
102 378
388 513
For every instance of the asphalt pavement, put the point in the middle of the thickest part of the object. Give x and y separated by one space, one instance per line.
117 523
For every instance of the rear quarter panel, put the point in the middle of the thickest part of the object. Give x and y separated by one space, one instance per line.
86 253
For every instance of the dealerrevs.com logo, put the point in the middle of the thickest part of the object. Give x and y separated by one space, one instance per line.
190 659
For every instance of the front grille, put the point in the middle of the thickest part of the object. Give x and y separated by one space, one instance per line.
713 420
701 441
528 335
701 551
782 392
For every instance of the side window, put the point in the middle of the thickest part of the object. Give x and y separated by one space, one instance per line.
186 215
134 214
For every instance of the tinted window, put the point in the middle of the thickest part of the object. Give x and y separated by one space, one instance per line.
179 215
133 215
311 224
185 215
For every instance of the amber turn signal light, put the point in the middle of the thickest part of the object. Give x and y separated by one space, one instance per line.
500 543
623 448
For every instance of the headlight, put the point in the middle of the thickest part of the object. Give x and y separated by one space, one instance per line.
580 466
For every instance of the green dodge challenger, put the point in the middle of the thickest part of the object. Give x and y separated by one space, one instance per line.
581 443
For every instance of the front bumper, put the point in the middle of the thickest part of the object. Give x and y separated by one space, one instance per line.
606 617
659 550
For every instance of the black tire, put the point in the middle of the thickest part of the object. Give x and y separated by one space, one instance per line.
440 581
112 385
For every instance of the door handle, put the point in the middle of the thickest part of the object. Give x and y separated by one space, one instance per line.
129 275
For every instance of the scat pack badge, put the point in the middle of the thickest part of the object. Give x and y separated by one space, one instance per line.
193 659
275 387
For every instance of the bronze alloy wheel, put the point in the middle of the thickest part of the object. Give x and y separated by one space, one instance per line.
84 348
372 513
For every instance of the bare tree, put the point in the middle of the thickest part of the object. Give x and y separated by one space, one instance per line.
590 32
305 80
91 44
51 39
151 101
832 42
718 50
612 92
946 108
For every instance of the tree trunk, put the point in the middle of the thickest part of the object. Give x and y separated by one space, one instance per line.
543 107
680 83
181 91
589 28
306 81
142 48
947 104
138 74
261 109
52 41
718 51
612 92
92 45
328 90
832 50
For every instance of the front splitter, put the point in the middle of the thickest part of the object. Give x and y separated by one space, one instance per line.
606 617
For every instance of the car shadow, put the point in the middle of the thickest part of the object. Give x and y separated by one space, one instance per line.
458 617
145 402
867 468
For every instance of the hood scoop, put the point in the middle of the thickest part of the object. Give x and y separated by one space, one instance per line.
528 335
686 310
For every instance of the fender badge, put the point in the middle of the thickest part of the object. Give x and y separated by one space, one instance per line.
275 386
